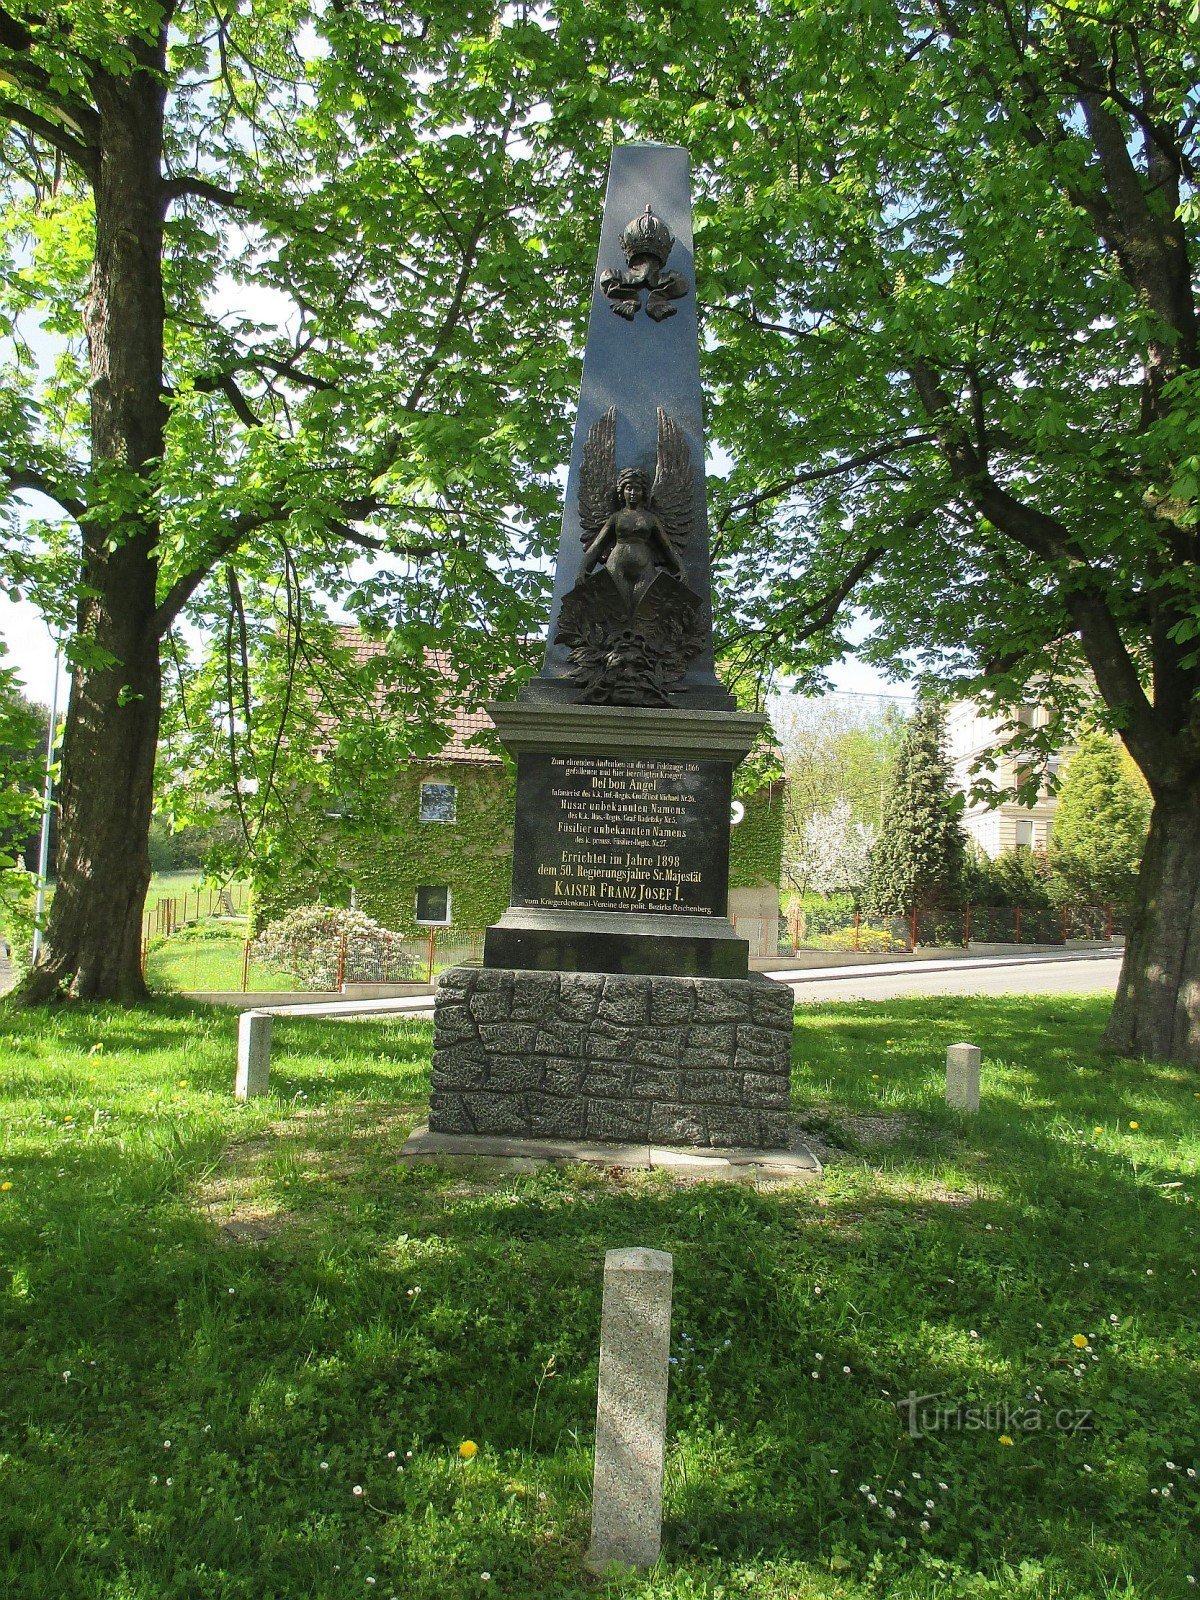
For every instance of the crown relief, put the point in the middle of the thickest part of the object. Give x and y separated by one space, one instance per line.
647 242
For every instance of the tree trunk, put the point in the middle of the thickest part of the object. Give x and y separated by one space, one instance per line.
92 944
1157 1009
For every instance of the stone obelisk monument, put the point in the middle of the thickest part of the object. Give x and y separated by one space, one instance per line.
615 1001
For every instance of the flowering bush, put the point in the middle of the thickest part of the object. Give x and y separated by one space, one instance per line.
308 944
873 940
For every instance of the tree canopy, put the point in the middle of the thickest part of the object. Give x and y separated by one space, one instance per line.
946 260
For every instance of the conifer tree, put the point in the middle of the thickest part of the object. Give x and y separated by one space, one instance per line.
1101 823
919 858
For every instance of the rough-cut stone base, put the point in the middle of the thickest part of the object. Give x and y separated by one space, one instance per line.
618 1058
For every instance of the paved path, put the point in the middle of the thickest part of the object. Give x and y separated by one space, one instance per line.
1070 972
1074 974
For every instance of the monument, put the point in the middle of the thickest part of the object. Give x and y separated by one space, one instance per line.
615 1001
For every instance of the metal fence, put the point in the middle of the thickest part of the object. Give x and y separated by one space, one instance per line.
199 941
212 953
830 928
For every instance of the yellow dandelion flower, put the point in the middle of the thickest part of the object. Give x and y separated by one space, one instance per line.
1004 1439
5 1186
1097 1130
1134 1126
468 1449
183 1083
1079 1340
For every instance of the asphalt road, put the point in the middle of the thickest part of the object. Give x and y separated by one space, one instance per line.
1087 975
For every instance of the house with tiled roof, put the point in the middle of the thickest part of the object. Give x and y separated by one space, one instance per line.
436 853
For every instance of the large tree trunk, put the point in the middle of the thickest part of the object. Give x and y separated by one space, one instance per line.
92 944
1157 1009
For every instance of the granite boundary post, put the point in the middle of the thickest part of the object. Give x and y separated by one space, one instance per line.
631 1409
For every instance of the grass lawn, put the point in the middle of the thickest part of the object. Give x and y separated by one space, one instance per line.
210 956
218 1325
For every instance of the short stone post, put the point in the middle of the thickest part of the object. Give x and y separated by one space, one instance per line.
962 1077
631 1409
254 1054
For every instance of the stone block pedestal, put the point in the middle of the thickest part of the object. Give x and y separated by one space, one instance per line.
619 1058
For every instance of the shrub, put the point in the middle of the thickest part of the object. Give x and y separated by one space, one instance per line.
17 897
873 941
307 944
1101 823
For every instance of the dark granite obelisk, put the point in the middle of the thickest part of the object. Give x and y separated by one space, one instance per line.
615 1001
626 741
637 365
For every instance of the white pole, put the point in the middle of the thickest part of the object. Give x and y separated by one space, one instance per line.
47 803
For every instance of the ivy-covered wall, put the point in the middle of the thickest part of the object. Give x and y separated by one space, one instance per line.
756 843
384 857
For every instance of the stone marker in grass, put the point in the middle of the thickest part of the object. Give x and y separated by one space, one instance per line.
962 1077
254 1054
631 1409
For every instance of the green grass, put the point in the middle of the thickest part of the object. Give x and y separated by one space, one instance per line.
265 1289
210 956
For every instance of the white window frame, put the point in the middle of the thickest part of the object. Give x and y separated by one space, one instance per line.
434 922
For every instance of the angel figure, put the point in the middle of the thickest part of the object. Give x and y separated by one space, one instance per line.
631 528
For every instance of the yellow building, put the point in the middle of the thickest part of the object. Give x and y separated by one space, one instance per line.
974 738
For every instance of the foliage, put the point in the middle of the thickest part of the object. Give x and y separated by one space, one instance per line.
866 938
834 852
22 757
756 842
948 254
919 857
1100 824
1022 878
192 846
378 1309
342 364
378 848
316 943
834 748
18 898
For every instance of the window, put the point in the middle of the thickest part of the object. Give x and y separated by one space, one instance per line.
439 802
1024 833
433 905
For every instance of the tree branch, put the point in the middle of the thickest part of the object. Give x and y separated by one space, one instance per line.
864 458
202 189
84 156
16 41
39 483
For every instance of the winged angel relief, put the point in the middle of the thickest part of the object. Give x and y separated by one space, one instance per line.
630 621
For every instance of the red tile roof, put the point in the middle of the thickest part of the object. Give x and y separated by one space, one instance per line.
467 724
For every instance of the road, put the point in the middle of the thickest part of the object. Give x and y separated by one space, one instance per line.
1090 974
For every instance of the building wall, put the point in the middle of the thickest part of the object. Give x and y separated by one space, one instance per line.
971 736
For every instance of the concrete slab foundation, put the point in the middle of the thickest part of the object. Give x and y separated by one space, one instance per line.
795 1164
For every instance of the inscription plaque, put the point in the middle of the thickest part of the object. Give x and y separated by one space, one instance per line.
599 833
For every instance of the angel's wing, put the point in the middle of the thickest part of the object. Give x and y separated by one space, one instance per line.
598 475
673 496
